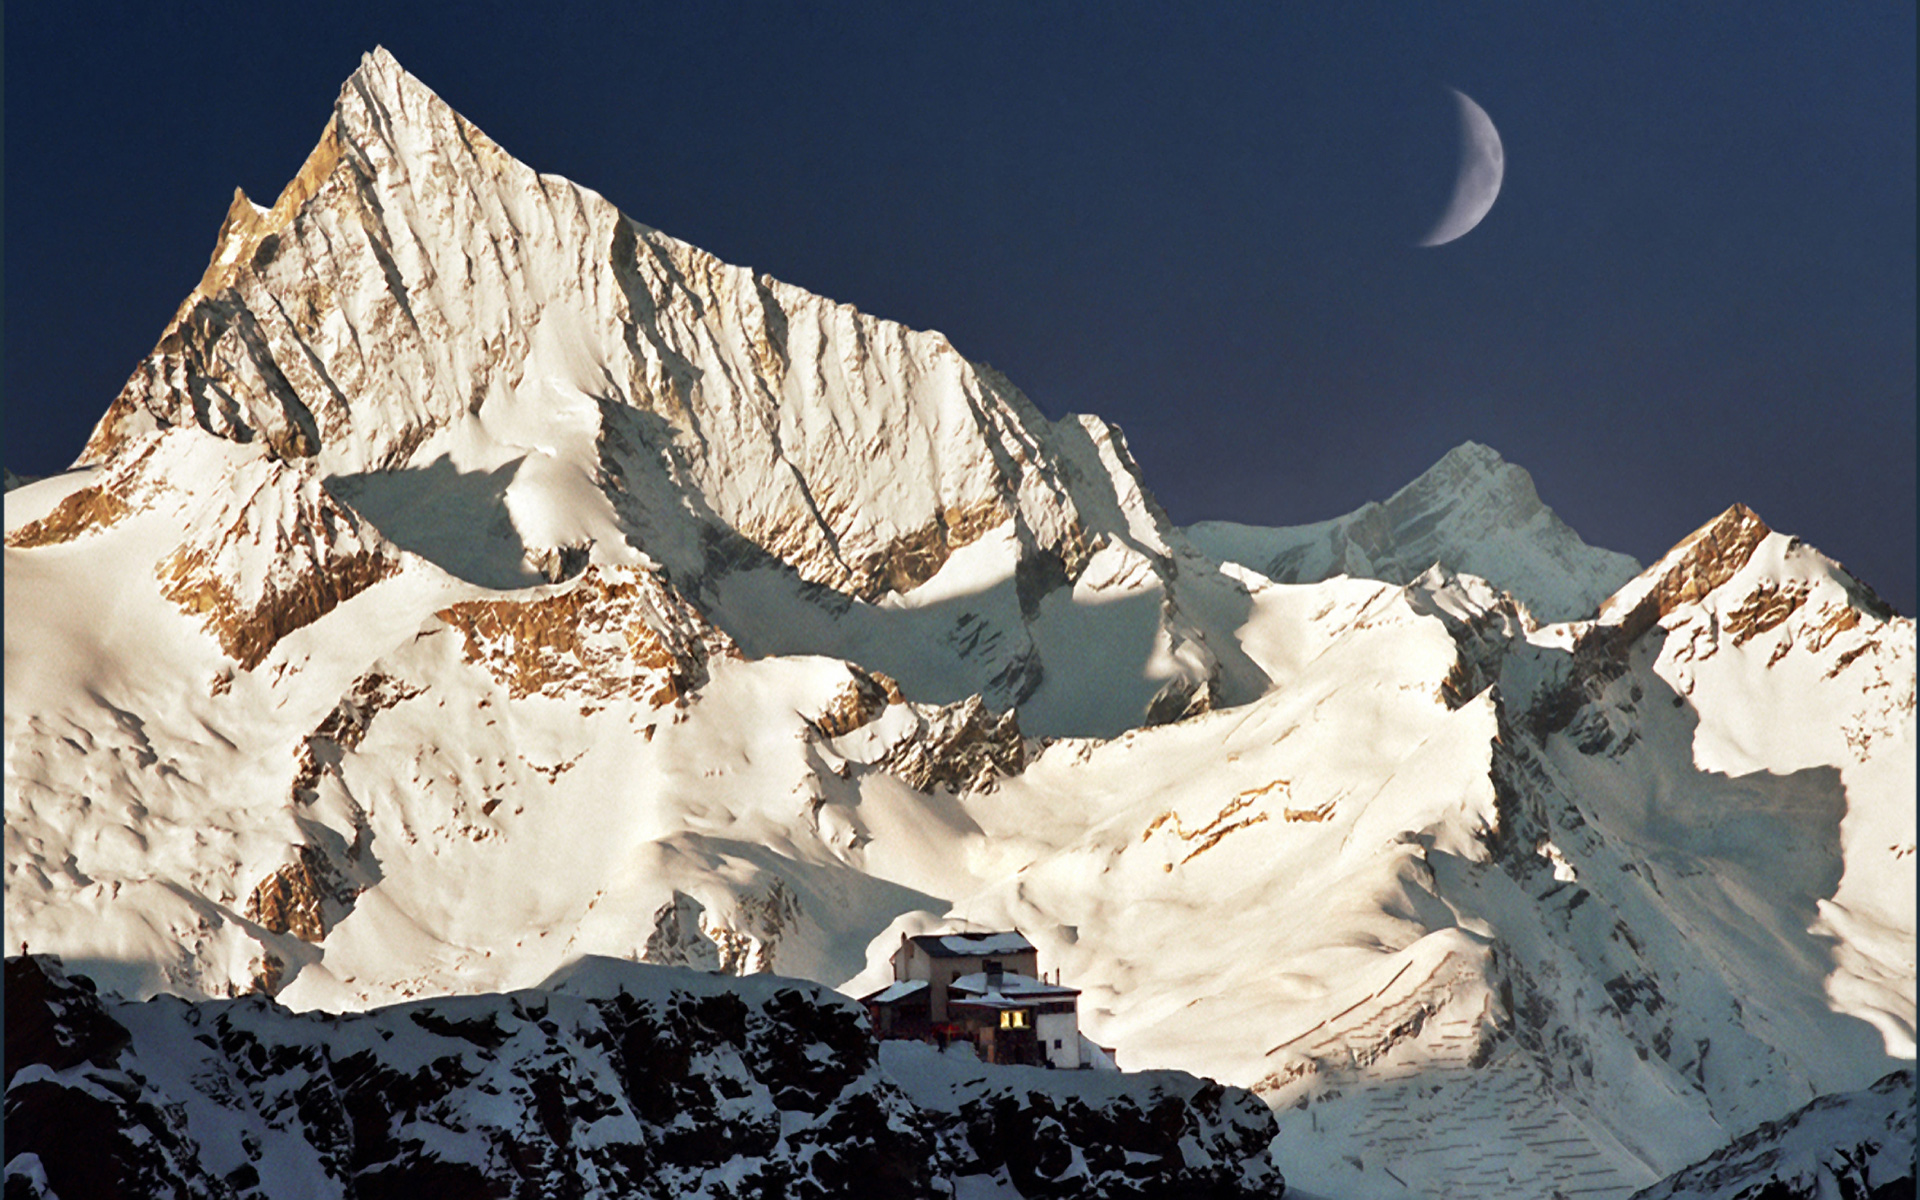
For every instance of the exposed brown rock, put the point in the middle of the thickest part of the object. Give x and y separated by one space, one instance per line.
912 560
864 697
89 510
1704 559
1768 607
117 494
245 225
293 898
614 632
249 632
345 726
269 972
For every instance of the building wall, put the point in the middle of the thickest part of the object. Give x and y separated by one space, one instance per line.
911 962
1065 1027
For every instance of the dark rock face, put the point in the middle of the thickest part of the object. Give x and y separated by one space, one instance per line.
621 1080
76 1124
54 1021
1062 1148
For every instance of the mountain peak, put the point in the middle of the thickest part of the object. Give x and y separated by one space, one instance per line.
380 73
1697 564
456 343
1470 453
1469 469
1472 512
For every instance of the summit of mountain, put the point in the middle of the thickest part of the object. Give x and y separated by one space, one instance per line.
1472 511
505 374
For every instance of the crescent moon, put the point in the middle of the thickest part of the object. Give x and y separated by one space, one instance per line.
1483 162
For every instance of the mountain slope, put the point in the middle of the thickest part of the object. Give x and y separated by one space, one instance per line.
1857 1144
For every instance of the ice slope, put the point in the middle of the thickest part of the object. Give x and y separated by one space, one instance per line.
346 708
1472 511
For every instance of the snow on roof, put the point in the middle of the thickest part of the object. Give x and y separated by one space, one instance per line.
992 1000
956 945
1015 987
898 990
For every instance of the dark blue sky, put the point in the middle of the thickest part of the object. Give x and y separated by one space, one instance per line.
1697 287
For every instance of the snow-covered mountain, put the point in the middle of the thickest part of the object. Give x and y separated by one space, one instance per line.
473 580
512 379
1472 510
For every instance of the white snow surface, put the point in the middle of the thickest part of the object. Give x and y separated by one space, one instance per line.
987 943
1472 511
1472 900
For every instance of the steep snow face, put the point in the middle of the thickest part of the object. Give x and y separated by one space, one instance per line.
1472 511
511 378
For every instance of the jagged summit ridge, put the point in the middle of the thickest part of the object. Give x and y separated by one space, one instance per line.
1472 511
460 345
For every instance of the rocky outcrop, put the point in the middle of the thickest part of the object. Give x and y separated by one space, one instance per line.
120 491
1163 1133
293 899
1701 562
864 697
54 1020
744 941
77 1124
612 632
344 727
961 747
614 1080
263 549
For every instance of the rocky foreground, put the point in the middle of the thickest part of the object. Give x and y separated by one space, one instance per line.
616 1079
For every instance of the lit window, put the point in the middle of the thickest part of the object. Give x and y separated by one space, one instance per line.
1013 1018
